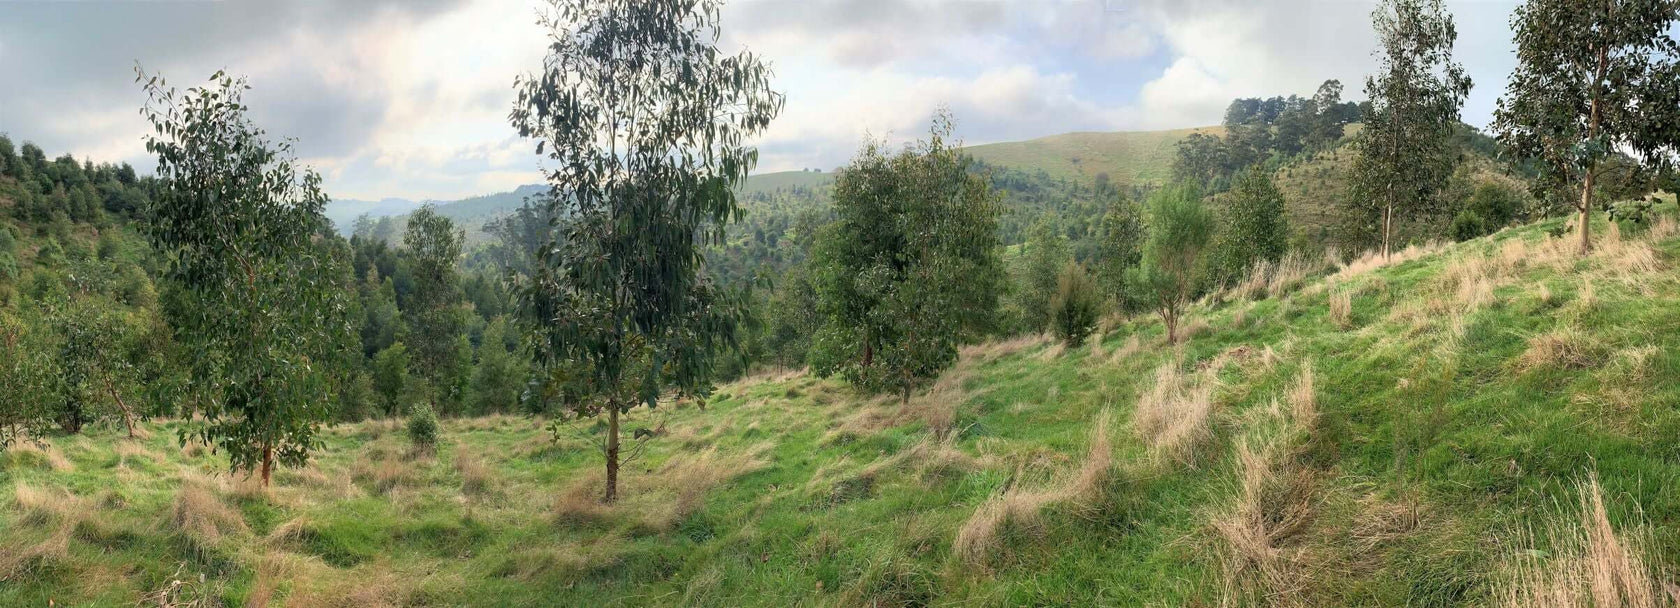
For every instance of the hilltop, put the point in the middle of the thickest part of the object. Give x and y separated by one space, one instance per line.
1455 426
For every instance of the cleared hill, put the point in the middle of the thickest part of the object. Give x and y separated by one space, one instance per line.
1129 158
1411 434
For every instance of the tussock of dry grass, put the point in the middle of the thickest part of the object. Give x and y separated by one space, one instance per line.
1341 308
201 515
1303 399
688 478
40 506
978 538
1372 260
1564 348
477 479
47 453
383 470
1592 566
579 503
1173 416
1274 504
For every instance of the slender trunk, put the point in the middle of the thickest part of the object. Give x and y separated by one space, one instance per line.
1586 213
1388 228
267 463
612 452
1592 133
128 415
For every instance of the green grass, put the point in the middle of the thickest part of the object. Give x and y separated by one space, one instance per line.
1436 447
1129 158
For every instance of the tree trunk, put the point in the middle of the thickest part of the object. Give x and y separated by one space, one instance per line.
128 415
612 453
1592 133
1171 321
267 463
1388 227
1586 213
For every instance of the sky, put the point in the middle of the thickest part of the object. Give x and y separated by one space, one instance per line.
409 98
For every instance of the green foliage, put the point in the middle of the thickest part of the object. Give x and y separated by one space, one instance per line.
619 294
1255 228
1046 255
1490 207
235 220
94 362
1405 153
1123 234
500 374
1077 305
26 380
390 377
422 427
1181 229
436 322
1262 132
909 270
1593 81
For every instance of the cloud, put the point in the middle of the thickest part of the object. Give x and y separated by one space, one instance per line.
410 97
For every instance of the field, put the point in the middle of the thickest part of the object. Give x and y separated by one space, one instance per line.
1129 158
1431 431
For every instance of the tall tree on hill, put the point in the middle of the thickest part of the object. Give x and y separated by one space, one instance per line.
1404 153
909 269
1255 228
1046 252
436 321
646 121
1592 79
1123 234
234 218
1181 229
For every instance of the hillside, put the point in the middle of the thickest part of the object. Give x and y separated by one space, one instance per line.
1416 433
1128 158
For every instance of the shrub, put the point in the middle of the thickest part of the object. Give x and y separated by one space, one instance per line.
423 426
1076 306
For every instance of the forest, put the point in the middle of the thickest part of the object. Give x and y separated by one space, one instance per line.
1345 353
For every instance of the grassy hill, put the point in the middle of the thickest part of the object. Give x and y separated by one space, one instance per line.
1461 426
1140 157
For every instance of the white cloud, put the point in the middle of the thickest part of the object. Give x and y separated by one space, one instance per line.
392 100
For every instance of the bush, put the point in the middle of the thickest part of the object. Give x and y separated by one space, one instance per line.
423 426
1076 305
1468 225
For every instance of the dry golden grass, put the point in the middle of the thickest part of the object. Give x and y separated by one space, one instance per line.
579 503
47 453
1303 399
1592 565
1052 352
1172 418
477 479
686 479
1663 228
1633 365
201 515
1543 293
1341 308
1275 502
382 470
977 541
1127 349
1372 260
1565 347
41 506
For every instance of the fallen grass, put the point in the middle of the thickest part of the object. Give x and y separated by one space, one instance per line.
1591 564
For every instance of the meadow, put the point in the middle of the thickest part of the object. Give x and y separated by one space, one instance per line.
1483 423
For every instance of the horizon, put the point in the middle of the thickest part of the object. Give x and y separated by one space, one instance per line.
409 100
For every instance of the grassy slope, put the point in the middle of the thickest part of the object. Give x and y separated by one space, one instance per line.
1143 157
1435 446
